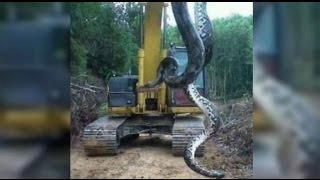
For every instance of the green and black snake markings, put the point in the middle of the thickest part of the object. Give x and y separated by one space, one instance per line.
199 49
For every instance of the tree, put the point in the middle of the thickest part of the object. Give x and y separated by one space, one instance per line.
231 66
108 31
173 36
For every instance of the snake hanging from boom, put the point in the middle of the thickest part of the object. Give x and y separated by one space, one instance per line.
199 48
294 117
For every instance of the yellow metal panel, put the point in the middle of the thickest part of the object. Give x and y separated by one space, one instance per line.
35 120
184 110
261 121
152 54
141 79
162 100
121 110
152 40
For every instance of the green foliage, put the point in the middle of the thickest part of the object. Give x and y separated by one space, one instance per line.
173 35
108 32
102 110
230 71
78 56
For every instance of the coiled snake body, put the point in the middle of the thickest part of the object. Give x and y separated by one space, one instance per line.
199 48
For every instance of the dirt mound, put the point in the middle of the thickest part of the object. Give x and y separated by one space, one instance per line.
88 98
237 131
231 148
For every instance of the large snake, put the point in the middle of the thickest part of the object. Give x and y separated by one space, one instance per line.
199 48
292 116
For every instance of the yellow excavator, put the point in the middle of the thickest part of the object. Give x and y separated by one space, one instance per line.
34 75
162 110
34 98
275 37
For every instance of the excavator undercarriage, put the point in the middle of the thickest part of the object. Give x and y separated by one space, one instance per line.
102 137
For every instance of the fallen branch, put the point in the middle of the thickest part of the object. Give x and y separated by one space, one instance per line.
96 87
81 87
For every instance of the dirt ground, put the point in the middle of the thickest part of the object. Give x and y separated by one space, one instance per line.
34 157
151 157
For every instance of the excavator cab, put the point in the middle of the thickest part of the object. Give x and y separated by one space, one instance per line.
177 97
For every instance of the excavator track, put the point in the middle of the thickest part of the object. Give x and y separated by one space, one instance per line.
183 130
101 137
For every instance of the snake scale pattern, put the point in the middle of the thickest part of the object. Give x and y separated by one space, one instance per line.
293 117
199 43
